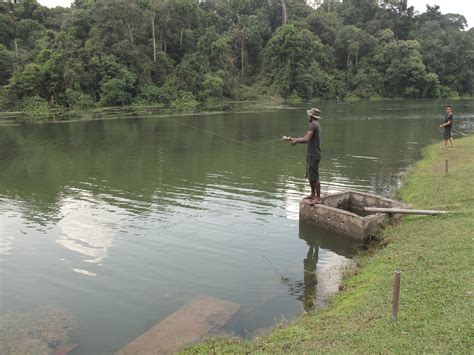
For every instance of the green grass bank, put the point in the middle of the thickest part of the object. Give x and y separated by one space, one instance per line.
434 255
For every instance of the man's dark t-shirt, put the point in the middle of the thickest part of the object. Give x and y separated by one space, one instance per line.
448 118
314 149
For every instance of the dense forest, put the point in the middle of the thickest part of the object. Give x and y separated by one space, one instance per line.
181 53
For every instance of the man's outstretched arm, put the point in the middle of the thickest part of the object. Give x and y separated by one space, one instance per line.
307 137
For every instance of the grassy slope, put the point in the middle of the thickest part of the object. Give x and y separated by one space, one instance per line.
434 255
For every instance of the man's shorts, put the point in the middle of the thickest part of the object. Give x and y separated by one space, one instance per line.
447 134
312 168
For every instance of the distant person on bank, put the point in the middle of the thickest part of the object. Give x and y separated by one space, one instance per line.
448 125
313 139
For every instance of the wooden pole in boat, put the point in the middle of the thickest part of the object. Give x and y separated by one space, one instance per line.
395 295
403 211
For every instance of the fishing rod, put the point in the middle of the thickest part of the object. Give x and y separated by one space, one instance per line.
284 138
275 269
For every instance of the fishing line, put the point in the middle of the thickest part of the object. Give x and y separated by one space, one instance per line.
209 132
222 136
268 142
275 269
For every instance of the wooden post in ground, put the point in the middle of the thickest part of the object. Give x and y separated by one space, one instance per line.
395 295
446 167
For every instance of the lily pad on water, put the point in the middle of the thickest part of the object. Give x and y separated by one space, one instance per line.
37 332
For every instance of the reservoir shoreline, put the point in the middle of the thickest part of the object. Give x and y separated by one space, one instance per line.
436 274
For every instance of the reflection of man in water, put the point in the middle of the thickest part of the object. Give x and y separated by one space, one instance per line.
305 291
310 279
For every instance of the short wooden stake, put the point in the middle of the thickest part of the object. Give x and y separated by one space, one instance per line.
446 167
395 295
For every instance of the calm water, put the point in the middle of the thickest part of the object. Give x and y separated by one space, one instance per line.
122 222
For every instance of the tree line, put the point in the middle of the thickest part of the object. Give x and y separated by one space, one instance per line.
181 53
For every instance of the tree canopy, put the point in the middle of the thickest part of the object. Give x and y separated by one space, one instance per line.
174 52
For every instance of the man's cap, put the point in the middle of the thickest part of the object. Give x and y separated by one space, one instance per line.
314 112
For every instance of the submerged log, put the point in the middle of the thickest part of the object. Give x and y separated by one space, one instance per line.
65 349
403 211
197 319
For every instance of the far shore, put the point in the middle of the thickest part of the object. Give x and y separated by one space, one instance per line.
66 115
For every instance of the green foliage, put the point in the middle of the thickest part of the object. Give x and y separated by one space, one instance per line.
213 86
7 29
162 69
24 83
294 99
107 52
253 93
293 63
76 99
149 95
34 104
367 82
7 63
36 109
325 24
185 101
118 83
4 102
116 91
290 63
190 73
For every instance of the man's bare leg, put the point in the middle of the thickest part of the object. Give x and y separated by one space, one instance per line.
451 140
317 186
315 191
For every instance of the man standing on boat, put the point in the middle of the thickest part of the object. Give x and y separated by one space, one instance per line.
448 125
313 139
